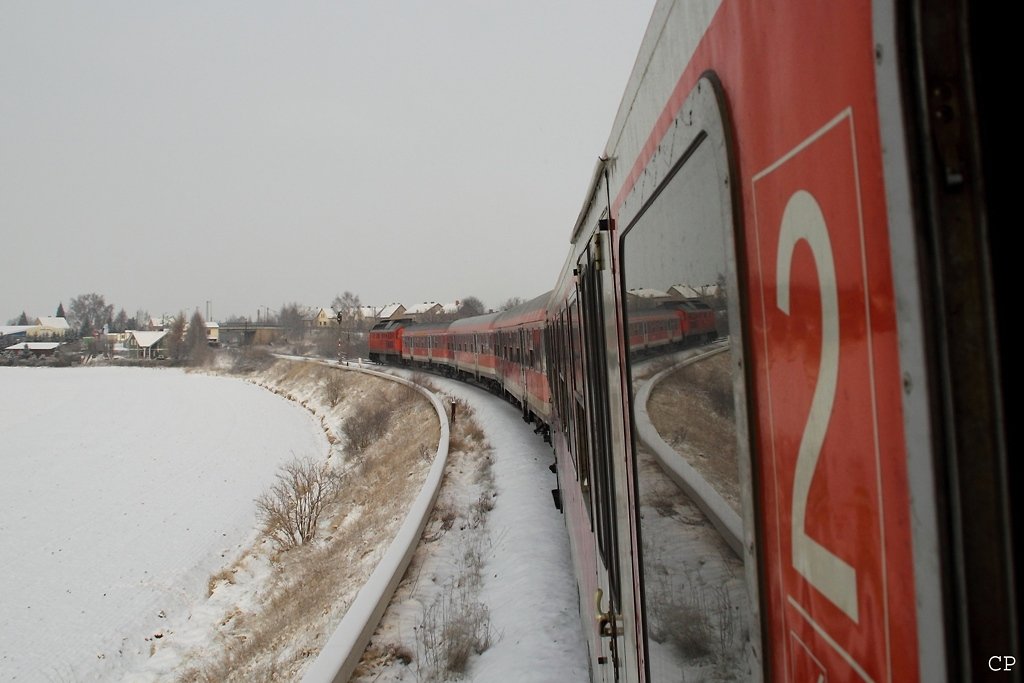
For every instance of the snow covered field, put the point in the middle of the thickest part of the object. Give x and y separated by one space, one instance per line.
121 491
124 490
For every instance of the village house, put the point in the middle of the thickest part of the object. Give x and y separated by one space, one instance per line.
148 344
33 348
391 311
423 310
48 327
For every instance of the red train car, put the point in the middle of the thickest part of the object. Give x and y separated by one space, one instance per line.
428 345
826 163
519 344
474 349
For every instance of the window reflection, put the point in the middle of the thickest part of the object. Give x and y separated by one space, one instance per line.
674 262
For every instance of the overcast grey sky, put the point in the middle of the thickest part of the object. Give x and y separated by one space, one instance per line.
166 154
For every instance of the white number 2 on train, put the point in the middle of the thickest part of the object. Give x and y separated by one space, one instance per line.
829 574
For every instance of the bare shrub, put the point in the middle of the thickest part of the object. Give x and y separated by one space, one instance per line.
698 619
456 625
720 395
453 628
252 359
726 622
290 511
466 432
421 379
399 653
382 655
445 512
663 501
223 576
479 508
444 515
369 423
334 388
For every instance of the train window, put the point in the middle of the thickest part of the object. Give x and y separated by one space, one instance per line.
677 269
598 428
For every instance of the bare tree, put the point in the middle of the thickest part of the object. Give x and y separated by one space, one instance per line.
88 312
511 302
348 305
291 319
196 347
290 511
176 338
120 323
471 306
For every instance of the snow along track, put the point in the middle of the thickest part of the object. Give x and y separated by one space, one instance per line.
340 655
528 584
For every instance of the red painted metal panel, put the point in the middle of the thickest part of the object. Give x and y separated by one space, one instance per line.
839 571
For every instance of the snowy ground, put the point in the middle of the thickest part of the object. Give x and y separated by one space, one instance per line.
135 516
525 580
121 491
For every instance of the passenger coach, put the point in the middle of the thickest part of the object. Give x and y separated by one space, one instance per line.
825 165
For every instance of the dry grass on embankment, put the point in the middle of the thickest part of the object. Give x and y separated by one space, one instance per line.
286 622
436 622
692 409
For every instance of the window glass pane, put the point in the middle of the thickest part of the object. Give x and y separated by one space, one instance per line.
675 266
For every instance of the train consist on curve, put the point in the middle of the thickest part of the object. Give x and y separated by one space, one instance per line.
827 169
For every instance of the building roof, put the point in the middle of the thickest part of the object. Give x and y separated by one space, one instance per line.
147 339
33 346
390 310
648 293
691 292
54 322
425 307
369 311
14 329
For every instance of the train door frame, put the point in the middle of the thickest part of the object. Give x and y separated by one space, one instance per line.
524 394
935 84
707 123
610 476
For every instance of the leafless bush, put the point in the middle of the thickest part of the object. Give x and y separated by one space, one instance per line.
726 622
252 359
662 500
445 513
290 511
720 396
382 655
479 508
456 625
698 619
334 388
370 422
421 379
466 431
223 576
682 621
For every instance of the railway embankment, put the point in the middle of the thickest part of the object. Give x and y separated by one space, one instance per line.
697 452
271 610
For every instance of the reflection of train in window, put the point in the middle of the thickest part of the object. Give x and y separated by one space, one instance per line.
769 367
